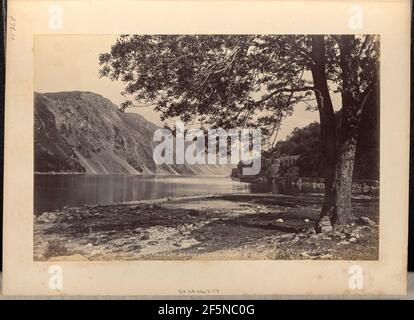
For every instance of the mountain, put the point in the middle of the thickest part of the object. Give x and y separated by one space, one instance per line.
83 132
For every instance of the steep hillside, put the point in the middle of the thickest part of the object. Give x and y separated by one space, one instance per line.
306 143
82 132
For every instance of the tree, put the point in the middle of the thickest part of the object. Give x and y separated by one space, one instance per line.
232 81
359 65
304 142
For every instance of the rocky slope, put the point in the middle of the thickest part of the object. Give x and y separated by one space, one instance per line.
82 132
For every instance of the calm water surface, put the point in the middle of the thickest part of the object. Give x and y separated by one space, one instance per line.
56 191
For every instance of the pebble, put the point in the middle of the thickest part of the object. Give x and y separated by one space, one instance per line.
368 221
355 235
344 242
305 255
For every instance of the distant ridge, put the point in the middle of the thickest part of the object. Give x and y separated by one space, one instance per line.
83 132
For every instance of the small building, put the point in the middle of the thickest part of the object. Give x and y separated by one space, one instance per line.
288 161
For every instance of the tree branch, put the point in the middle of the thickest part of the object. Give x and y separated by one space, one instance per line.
291 90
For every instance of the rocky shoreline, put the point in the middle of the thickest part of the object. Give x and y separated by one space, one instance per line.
216 227
362 186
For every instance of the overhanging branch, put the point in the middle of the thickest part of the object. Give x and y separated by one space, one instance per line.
291 90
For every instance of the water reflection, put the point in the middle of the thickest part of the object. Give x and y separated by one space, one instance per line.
56 191
286 188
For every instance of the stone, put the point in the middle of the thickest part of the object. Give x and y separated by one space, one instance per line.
311 231
145 236
296 239
285 236
305 255
43 219
326 229
279 220
344 242
353 239
324 225
355 234
368 221
337 234
306 220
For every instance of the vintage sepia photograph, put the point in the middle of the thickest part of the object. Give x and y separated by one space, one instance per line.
206 147
229 149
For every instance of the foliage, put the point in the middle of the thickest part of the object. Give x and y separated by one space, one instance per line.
228 81
306 143
221 80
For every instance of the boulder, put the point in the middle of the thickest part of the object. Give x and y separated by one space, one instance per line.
324 225
367 221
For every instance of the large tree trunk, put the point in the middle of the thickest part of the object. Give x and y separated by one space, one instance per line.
342 214
351 116
337 211
327 122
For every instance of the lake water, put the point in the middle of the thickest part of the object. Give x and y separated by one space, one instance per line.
56 191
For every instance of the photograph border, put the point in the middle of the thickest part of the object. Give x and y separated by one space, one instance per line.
386 276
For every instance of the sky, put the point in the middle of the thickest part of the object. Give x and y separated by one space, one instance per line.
70 63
